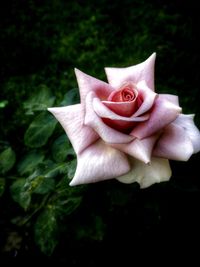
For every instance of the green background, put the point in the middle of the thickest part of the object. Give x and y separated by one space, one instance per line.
40 44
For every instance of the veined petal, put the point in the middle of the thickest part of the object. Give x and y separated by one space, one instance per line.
71 118
148 98
139 149
136 73
187 123
174 144
147 174
88 83
108 134
99 162
163 113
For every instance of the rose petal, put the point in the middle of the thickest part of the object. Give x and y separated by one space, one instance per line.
174 144
148 98
126 93
99 162
147 174
139 149
108 134
88 83
121 108
163 113
71 118
187 123
136 73
104 112
171 98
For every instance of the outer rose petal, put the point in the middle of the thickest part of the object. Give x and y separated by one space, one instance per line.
108 134
187 123
139 149
99 162
158 171
171 98
163 113
88 83
71 118
136 73
174 144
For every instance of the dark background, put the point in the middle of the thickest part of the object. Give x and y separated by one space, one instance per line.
40 43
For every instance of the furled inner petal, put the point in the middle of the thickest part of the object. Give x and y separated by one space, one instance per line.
108 134
147 174
126 93
187 123
163 112
71 118
148 98
120 123
88 83
125 109
174 144
124 101
136 73
105 112
99 162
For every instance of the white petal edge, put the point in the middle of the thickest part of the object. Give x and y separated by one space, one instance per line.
147 174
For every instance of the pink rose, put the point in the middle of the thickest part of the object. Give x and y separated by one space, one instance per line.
124 130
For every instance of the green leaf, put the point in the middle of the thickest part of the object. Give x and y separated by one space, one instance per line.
39 101
46 231
2 186
43 185
21 193
40 130
7 160
29 162
61 148
56 169
71 97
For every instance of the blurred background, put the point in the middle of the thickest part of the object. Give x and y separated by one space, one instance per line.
41 218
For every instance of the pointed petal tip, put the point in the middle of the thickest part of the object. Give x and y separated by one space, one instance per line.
152 57
77 71
72 183
51 110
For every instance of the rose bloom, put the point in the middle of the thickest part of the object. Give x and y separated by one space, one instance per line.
124 130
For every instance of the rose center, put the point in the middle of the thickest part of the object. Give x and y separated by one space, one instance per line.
126 93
